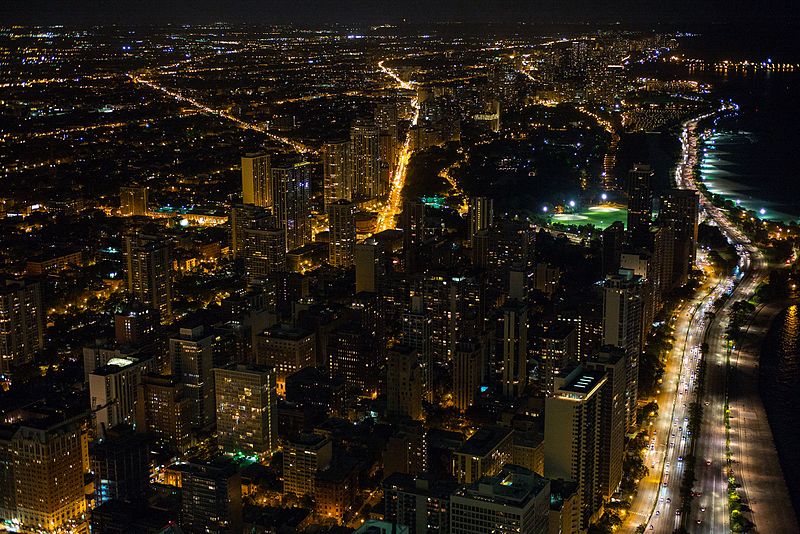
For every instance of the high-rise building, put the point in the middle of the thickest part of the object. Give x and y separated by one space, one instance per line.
559 346
136 325
412 220
191 354
247 409
164 410
337 173
416 333
640 205
44 456
120 461
365 160
515 348
572 444
133 201
468 364
287 349
403 382
485 453
304 455
211 498
678 209
421 504
149 271
21 323
622 327
513 500
112 392
353 356
370 260
291 200
257 186
481 216
613 241
245 217
611 360
264 253
342 222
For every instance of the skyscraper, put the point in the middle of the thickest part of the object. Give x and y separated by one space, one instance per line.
304 455
481 216
613 240
353 356
291 196
133 200
112 392
247 409
264 252
559 347
416 333
257 186
468 364
211 498
622 327
164 410
337 173
149 271
403 382
412 220
286 349
640 205
515 348
121 464
245 217
572 422
365 158
21 322
678 209
342 219
192 361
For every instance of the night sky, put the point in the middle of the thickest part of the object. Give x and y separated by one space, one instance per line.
315 12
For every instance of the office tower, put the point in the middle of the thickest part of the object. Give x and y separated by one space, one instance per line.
572 444
622 327
611 360
120 462
44 457
353 356
149 270
481 218
337 174
264 253
515 348
370 260
247 409
211 498
559 347
342 222
304 455
421 504
678 210
257 187
514 500
640 205
245 217
191 354
136 325
286 348
468 364
112 390
613 240
412 220
485 453
21 323
403 382
365 160
133 201
164 410
291 200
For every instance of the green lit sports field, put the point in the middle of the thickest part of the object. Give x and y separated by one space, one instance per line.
600 216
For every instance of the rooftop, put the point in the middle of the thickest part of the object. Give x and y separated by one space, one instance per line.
485 440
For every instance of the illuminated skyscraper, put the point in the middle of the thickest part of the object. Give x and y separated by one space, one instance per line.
247 409
365 158
640 205
264 252
678 209
257 186
133 201
149 271
291 196
338 175
21 322
245 217
342 219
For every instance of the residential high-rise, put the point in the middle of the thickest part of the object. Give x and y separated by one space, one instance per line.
468 364
149 260
164 410
342 222
353 356
256 180
365 160
416 333
287 349
211 498
245 217
264 253
613 241
247 409
481 216
422 504
611 360
43 456
304 455
412 220
403 382
678 209
291 200
513 500
640 205
136 325
559 346
191 354
485 453
112 391
622 327
515 348
337 173
572 444
133 200
370 260
120 462
21 322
